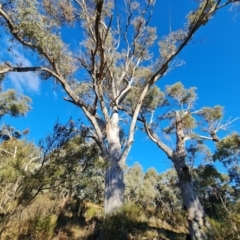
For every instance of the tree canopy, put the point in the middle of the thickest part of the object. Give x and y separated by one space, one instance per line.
111 76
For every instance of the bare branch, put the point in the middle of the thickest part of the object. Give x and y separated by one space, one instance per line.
19 69
227 3
156 139
7 152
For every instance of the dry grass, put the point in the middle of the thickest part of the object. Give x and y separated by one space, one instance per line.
44 219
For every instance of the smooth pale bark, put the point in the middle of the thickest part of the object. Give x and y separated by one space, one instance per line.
114 185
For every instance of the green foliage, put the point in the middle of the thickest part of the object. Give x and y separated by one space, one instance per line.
212 187
93 212
212 114
168 199
228 147
41 31
69 158
169 44
6 132
13 103
154 98
19 184
224 230
152 190
179 103
181 95
123 222
38 226
61 11
228 153
148 191
17 168
140 187
199 15
177 115
133 180
84 90
219 200
188 122
58 167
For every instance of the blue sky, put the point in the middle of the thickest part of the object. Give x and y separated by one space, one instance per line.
212 64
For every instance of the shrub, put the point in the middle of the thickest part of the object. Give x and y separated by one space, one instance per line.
129 220
39 226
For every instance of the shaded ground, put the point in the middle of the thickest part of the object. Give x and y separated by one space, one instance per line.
45 219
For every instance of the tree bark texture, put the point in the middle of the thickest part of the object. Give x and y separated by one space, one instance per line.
198 225
114 185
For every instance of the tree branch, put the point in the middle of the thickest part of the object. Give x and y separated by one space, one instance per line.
19 69
162 70
156 139
15 32
75 99
159 73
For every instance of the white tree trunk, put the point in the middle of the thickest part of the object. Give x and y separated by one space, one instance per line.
198 225
114 185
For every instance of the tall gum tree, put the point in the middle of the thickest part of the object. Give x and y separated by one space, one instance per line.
113 57
180 131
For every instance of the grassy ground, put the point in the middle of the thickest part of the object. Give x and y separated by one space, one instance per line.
44 219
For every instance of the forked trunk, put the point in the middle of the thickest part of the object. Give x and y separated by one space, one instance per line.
198 225
114 185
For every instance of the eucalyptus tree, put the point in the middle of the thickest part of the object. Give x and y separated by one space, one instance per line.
18 185
157 194
228 152
13 153
133 180
218 195
214 190
113 57
179 131
168 198
141 187
59 167
70 168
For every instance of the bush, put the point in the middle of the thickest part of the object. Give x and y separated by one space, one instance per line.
40 226
129 220
226 229
93 212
